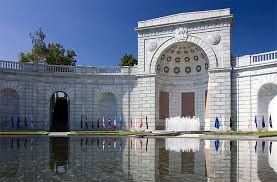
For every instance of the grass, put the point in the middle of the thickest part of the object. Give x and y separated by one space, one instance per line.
121 132
23 132
245 133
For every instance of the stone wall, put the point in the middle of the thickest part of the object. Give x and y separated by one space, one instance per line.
35 91
247 81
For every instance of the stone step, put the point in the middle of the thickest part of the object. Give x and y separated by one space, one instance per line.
58 134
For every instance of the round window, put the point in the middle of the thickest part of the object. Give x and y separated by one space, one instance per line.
187 59
206 66
198 68
176 70
158 67
166 69
177 59
187 69
195 58
168 58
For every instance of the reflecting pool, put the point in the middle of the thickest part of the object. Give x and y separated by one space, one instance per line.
87 158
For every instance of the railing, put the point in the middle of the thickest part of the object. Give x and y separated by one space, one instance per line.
264 57
33 67
255 59
9 65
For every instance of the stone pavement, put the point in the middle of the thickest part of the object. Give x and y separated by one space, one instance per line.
58 134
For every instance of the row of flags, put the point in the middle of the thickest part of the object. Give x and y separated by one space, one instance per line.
134 126
105 144
138 143
17 122
263 147
110 125
217 123
263 122
217 145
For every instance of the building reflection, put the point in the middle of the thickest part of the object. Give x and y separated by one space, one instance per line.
59 154
136 159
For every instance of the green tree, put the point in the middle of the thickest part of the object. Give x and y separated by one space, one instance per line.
128 60
53 53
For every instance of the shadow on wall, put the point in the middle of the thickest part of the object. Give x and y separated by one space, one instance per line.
267 106
9 108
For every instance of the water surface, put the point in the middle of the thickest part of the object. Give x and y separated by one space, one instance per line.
43 158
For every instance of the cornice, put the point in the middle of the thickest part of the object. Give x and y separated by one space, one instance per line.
194 25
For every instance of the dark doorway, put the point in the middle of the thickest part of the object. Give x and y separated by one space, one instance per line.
188 104
59 112
59 154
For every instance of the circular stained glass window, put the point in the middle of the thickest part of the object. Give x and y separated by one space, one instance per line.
176 70
187 69
178 52
158 67
198 68
195 58
168 58
206 66
162 57
166 69
177 59
187 59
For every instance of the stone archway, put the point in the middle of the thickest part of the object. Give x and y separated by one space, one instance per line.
59 111
267 105
107 105
9 107
182 82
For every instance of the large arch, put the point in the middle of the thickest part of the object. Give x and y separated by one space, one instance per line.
267 105
107 105
213 62
59 111
264 162
9 107
182 83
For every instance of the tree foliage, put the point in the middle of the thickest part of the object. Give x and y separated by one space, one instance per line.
53 53
128 60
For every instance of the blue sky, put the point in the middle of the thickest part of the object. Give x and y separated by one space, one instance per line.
101 31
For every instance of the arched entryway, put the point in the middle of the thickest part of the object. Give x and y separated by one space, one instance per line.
9 107
59 154
267 106
107 106
59 112
182 83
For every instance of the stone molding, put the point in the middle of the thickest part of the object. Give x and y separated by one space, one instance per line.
191 27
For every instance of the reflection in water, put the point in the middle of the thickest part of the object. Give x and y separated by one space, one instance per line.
135 159
59 151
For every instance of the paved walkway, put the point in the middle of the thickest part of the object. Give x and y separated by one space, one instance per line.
58 134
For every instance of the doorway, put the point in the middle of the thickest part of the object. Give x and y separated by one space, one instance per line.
59 110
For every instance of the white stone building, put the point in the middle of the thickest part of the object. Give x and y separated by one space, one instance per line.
184 69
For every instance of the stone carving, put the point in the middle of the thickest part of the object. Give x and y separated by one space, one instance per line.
171 30
181 34
214 38
152 46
